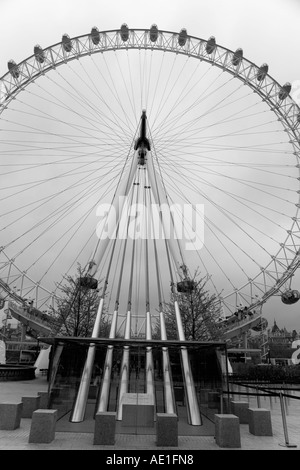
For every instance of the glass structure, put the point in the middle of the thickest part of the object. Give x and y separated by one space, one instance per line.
137 401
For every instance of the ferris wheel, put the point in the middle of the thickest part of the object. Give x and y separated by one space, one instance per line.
223 139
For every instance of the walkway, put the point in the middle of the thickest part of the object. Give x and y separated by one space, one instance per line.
18 439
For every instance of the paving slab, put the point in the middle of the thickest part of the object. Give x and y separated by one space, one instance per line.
18 439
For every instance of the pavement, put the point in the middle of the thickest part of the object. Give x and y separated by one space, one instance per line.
284 438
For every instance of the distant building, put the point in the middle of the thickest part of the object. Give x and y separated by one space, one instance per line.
9 326
280 344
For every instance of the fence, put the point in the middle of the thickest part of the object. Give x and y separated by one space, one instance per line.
282 392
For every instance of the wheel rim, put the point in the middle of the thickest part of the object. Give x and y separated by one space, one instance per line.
174 118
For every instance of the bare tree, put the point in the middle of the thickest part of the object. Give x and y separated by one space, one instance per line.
199 313
76 311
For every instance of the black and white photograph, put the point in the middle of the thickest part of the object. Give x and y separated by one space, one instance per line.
150 228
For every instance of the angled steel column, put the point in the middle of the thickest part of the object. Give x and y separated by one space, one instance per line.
149 361
169 393
194 416
192 402
103 400
124 374
82 395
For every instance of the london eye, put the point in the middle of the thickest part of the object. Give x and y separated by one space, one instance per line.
97 124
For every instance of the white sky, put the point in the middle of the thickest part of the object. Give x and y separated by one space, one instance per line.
267 30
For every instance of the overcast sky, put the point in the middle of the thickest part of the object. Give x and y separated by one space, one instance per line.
267 30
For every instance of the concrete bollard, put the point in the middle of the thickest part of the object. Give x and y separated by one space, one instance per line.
105 428
260 422
227 430
10 415
166 430
42 429
240 409
30 404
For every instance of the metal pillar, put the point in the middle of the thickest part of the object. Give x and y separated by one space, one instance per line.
194 416
149 360
103 400
82 395
124 374
169 393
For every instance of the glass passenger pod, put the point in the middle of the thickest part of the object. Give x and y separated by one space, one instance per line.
88 282
182 37
186 286
237 57
124 32
262 72
153 33
2 303
210 45
66 43
285 91
13 69
95 35
39 53
290 297
262 325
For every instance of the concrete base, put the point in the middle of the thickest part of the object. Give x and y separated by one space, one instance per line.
166 430
105 428
10 416
137 409
42 428
43 400
241 409
227 431
138 415
30 404
260 422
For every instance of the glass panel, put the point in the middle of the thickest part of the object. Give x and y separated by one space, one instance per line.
154 384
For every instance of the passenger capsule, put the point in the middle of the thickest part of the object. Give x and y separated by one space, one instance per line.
39 54
153 33
66 43
262 325
88 282
298 118
210 45
186 286
262 72
2 303
285 91
13 68
182 37
290 297
95 35
237 57
124 32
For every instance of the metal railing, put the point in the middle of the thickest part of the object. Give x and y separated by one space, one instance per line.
271 391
